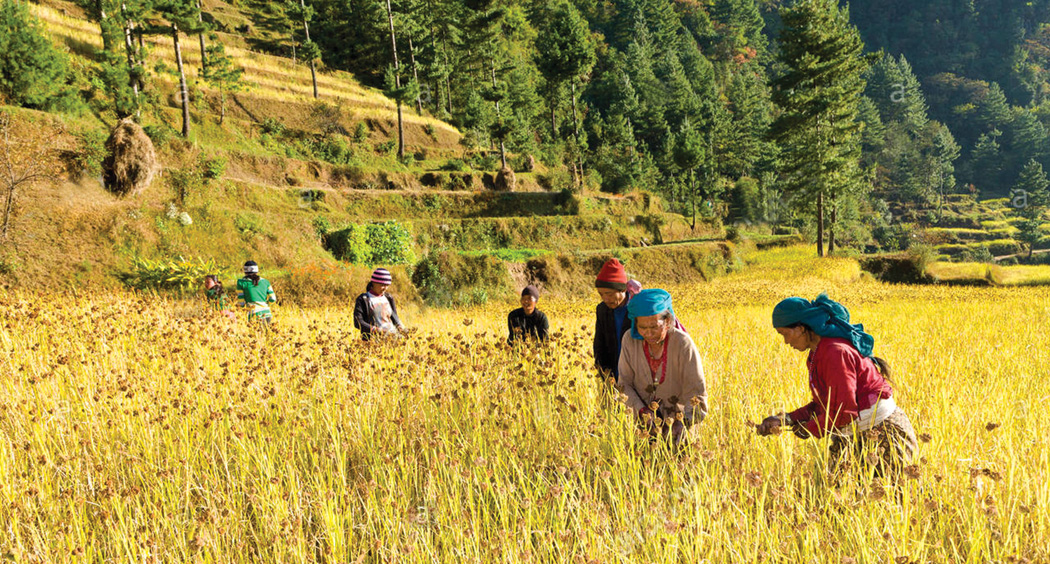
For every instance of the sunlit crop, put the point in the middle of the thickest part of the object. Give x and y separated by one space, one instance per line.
138 429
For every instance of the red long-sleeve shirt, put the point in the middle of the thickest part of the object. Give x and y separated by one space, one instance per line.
842 383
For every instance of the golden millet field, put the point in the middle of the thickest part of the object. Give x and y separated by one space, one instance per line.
140 429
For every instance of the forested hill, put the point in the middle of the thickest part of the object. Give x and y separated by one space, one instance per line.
809 115
958 102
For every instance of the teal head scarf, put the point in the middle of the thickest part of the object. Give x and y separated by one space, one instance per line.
826 318
648 302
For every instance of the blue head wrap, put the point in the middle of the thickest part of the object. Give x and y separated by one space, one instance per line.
826 318
648 302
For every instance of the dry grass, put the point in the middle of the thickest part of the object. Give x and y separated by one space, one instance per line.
269 77
134 428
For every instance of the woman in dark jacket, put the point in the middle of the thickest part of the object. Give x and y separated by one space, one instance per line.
374 310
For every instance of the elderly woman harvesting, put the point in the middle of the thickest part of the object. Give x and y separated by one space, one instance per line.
852 398
659 368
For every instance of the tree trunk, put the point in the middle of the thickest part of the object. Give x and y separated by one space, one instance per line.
129 49
554 123
499 121
831 229
692 195
415 74
200 35
397 84
222 106
183 91
578 154
306 30
11 188
820 223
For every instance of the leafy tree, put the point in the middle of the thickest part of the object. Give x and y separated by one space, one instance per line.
565 55
691 154
33 73
309 51
1030 199
182 17
223 74
819 95
985 163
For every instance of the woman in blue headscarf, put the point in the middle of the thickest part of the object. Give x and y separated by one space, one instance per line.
852 398
660 373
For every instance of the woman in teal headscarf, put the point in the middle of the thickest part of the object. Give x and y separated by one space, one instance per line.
660 373
852 398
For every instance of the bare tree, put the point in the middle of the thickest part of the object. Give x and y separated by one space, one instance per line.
23 162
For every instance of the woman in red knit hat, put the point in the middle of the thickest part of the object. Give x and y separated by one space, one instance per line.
615 290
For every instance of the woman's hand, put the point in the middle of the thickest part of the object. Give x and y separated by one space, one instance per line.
771 425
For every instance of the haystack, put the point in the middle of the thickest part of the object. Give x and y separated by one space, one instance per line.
505 180
131 162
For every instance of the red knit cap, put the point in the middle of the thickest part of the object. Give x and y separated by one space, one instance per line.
613 275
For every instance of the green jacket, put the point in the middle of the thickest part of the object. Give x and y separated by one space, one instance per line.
258 297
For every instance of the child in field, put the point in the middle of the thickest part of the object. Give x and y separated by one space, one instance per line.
852 398
216 295
374 310
256 294
527 322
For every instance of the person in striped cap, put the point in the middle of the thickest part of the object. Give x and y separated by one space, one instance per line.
256 294
615 289
374 311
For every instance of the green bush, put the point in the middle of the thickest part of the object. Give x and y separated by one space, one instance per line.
384 243
455 165
386 147
322 226
169 274
272 127
391 243
250 225
160 134
350 244
360 132
450 279
91 151
211 168
33 74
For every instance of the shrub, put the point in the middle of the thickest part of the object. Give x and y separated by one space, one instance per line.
360 132
321 226
450 279
386 147
184 182
350 244
169 274
33 73
271 126
391 243
91 151
211 168
249 225
159 134
455 165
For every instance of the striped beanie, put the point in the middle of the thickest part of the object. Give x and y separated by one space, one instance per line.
381 276
251 268
613 276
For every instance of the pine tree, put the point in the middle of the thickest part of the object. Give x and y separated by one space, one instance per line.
181 16
819 95
1031 198
986 163
565 55
223 74
33 73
